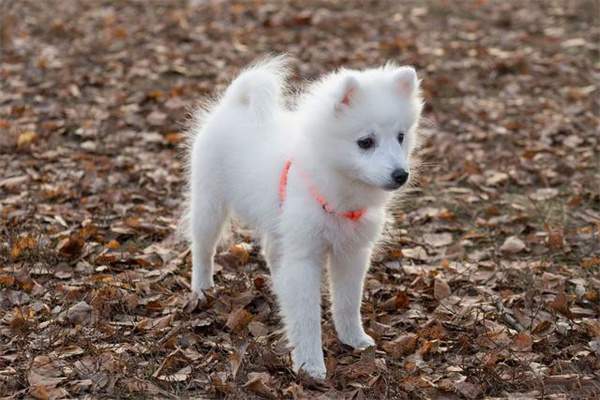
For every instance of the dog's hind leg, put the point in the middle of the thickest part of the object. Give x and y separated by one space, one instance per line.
208 215
271 249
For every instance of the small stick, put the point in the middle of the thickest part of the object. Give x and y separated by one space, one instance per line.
509 319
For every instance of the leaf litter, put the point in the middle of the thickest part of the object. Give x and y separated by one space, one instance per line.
486 285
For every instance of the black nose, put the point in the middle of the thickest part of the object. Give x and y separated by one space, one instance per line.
400 176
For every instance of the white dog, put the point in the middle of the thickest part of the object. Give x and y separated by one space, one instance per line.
313 179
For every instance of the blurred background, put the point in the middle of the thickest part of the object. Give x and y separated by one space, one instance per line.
488 283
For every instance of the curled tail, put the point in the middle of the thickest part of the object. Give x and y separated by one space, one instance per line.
260 87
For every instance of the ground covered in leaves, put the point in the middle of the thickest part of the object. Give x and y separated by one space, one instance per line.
488 285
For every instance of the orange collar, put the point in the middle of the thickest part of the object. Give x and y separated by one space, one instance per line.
354 215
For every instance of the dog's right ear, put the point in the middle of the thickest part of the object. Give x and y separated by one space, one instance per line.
347 94
406 81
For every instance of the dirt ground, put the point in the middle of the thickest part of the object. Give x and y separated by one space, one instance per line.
489 282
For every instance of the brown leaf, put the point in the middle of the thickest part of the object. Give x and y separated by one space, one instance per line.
427 347
80 313
467 389
441 289
236 358
367 366
402 346
555 239
542 327
70 351
39 392
259 282
592 327
240 252
258 329
135 385
156 118
438 239
113 245
71 247
44 372
400 301
561 304
433 330
590 262
181 375
490 359
295 391
7 280
544 194
174 137
495 178
522 342
415 253
512 245
21 244
14 183
238 320
258 382
26 138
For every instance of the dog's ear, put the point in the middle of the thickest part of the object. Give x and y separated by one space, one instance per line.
406 81
348 91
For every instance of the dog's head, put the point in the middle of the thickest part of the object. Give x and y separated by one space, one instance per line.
368 124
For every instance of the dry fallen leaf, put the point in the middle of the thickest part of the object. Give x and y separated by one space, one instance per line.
39 392
522 342
555 239
512 245
544 194
238 320
402 346
438 239
104 89
236 358
416 253
399 301
180 376
240 252
469 390
22 244
26 138
496 178
441 289
44 375
80 313
258 382
144 387
561 304
71 247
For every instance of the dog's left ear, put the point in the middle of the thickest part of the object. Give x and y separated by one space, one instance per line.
347 94
406 81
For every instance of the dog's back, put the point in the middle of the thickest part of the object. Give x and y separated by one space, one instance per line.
236 147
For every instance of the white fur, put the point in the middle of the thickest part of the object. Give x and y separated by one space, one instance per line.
237 155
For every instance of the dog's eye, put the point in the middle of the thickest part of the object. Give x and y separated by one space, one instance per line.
366 143
401 137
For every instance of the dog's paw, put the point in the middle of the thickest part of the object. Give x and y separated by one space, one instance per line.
359 342
199 286
311 365
314 370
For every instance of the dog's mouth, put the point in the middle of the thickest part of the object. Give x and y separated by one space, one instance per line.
392 186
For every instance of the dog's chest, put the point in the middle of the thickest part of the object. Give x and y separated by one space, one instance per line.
343 233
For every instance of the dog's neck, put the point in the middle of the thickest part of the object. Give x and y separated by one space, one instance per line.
341 192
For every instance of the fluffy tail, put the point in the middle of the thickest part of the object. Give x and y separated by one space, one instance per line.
260 87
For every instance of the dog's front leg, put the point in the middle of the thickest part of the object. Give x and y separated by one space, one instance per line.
297 283
346 276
